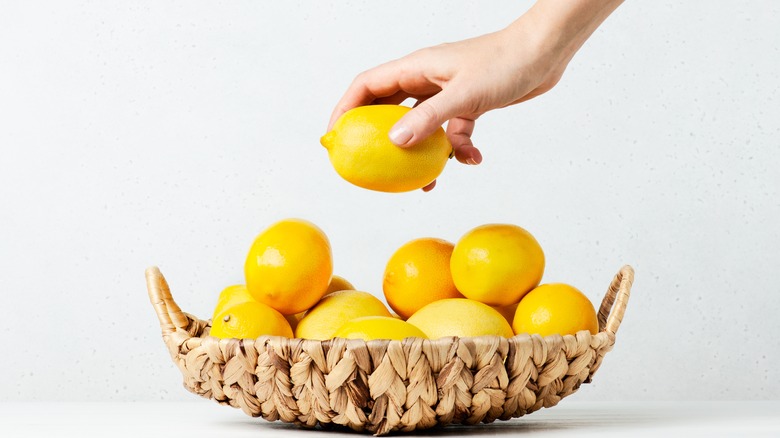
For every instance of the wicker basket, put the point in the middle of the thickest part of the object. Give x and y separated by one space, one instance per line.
386 386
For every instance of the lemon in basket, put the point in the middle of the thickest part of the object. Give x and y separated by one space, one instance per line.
555 308
338 283
497 264
293 320
334 310
249 320
460 317
508 312
230 296
289 266
418 273
369 328
362 153
238 294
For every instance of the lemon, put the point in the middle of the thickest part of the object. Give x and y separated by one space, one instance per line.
250 320
460 317
418 273
230 296
289 266
369 328
334 310
497 264
555 308
362 153
508 312
293 320
338 283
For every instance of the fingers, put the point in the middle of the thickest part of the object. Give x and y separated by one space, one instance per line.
426 117
459 132
380 81
395 99
388 82
429 187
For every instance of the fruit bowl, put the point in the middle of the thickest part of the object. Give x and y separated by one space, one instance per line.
386 386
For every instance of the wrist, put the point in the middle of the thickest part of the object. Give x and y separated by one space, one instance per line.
558 28
537 44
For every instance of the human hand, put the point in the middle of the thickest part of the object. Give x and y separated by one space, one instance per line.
458 82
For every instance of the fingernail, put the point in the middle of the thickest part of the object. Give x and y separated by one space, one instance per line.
400 134
476 157
471 161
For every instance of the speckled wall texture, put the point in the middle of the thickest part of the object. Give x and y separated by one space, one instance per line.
140 133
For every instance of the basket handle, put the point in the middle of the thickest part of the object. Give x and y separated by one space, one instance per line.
168 312
614 304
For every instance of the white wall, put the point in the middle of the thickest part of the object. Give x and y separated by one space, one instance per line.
143 133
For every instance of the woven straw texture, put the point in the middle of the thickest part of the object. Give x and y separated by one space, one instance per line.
386 386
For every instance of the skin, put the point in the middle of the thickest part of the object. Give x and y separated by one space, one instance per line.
458 82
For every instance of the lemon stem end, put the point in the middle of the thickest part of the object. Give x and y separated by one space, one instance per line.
327 140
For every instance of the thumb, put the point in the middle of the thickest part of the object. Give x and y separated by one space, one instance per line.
424 119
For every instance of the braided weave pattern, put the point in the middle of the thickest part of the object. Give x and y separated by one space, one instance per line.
387 386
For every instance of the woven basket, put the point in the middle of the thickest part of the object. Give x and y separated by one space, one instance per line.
386 386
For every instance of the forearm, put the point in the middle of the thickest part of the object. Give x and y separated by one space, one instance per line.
562 26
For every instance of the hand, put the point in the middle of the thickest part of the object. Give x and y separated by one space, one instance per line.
458 82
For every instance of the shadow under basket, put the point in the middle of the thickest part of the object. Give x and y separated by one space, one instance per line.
385 386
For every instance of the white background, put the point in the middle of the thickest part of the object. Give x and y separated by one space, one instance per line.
141 133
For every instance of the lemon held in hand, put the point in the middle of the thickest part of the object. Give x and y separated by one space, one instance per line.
289 266
555 308
460 317
362 153
369 328
249 320
497 264
418 273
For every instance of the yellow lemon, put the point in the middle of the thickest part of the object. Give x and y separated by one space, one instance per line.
338 283
293 320
250 320
361 152
555 308
497 264
508 312
369 328
460 317
230 296
334 310
417 274
289 266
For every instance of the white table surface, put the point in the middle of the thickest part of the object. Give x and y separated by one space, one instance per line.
568 419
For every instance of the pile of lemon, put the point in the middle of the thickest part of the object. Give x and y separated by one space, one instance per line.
486 284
